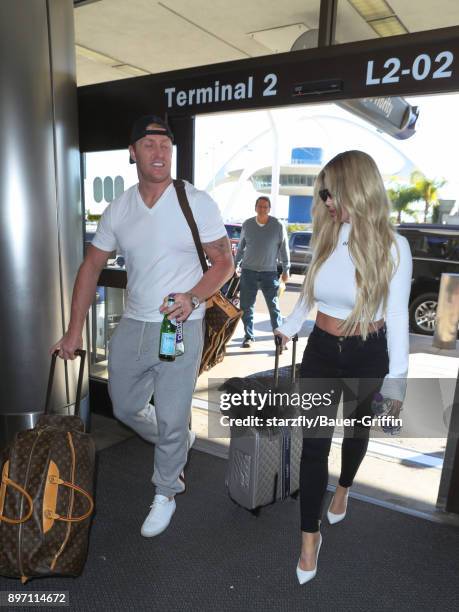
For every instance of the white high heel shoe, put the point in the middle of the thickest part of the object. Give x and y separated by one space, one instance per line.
336 518
307 575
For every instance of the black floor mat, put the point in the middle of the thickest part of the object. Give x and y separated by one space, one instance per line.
215 556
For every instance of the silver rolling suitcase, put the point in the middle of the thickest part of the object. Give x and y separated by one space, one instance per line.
264 462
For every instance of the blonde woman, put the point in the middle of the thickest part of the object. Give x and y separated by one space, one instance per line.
360 280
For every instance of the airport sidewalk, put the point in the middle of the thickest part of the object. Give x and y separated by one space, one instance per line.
401 473
426 361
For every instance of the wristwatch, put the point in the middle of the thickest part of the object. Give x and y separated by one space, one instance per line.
194 301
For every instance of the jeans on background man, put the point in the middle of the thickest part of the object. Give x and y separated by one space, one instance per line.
268 283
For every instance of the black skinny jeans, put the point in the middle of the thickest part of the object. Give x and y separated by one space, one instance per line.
337 365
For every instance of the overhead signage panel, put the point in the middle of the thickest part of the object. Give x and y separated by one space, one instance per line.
378 73
421 63
392 115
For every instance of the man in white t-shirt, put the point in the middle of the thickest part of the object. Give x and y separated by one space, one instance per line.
147 225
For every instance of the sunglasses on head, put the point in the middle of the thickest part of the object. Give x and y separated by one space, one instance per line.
324 194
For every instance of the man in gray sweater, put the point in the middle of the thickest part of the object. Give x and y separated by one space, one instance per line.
263 242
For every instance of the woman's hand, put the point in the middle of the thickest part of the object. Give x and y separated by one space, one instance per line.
395 409
391 427
284 338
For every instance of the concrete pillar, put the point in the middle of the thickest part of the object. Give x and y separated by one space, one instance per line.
41 238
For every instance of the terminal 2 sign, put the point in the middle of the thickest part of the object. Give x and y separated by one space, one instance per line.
415 64
219 92
375 74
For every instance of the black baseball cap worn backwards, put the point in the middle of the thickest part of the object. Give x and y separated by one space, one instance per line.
139 129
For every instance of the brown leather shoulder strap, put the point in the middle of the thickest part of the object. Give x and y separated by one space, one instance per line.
185 206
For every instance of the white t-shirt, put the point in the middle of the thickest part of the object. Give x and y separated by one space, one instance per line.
158 247
334 293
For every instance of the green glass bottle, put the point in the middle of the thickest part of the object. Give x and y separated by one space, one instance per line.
167 336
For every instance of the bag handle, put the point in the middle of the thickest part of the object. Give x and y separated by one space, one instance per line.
187 212
82 355
5 482
76 519
278 341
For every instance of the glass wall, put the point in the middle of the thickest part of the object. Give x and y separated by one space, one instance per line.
107 174
240 156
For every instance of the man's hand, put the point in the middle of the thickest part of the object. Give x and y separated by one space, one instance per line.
284 338
82 298
181 309
285 276
67 346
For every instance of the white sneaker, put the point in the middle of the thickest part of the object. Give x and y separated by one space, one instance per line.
159 517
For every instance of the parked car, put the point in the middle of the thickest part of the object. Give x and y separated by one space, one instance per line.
435 249
234 234
300 251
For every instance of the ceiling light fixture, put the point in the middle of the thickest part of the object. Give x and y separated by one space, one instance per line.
95 56
372 9
77 3
101 58
130 70
390 26
380 17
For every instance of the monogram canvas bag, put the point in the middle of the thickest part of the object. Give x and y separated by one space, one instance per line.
222 316
46 499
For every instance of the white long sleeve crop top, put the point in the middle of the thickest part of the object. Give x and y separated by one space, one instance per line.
334 294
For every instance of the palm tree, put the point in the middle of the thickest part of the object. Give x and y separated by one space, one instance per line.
428 190
401 196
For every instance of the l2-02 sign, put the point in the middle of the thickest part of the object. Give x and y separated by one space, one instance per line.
423 67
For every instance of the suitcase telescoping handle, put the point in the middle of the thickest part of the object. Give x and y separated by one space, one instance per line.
278 341
82 355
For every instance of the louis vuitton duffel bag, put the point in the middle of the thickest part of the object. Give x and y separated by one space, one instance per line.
46 495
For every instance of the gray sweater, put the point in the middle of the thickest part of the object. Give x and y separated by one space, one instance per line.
261 247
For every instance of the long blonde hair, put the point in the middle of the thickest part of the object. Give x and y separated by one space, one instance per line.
355 183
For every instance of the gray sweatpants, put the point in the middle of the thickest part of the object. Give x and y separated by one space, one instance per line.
135 372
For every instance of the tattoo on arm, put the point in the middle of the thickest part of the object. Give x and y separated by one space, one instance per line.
218 249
